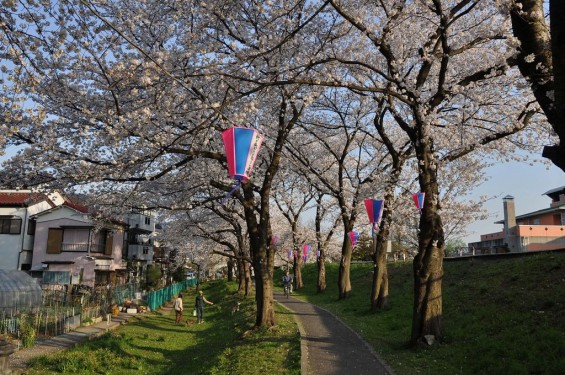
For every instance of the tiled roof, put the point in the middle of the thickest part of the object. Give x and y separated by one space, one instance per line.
21 199
76 206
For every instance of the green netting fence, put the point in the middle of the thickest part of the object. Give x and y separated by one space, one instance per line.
157 298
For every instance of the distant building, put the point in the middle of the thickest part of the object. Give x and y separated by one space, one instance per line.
535 231
139 249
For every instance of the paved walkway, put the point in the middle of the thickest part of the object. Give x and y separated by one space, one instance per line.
328 346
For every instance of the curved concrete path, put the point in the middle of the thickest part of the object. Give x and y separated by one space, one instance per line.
328 346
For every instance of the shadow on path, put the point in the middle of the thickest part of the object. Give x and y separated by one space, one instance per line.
329 347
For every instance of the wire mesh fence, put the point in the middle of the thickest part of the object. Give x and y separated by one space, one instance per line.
65 307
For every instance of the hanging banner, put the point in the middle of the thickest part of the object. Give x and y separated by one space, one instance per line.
305 251
242 147
375 212
354 238
274 240
418 199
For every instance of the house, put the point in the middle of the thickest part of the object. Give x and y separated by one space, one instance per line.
139 248
17 225
535 231
72 247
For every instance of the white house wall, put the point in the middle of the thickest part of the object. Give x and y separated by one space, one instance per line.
17 249
11 244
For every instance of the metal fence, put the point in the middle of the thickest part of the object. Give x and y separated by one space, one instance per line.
63 309
158 298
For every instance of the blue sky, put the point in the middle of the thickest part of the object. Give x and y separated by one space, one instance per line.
524 182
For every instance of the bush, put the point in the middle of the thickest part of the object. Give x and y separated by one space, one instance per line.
27 330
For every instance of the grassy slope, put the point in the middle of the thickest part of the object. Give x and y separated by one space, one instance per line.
501 317
153 344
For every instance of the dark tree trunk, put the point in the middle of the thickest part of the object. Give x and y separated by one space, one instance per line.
379 292
344 279
262 256
230 269
427 317
542 62
244 277
264 294
322 272
298 264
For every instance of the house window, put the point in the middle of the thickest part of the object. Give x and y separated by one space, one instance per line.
563 218
75 240
10 225
536 221
56 277
31 226
102 278
145 250
147 221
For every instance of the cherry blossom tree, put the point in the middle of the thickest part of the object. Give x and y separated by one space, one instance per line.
325 228
293 197
541 60
125 101
437 85
341 159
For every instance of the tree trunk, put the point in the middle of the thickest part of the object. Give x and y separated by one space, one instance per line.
298 263
427 317
248 282
240 277
344 280
556 153
264 295
244 277
379 293
230 269
542 62
322 272
263 257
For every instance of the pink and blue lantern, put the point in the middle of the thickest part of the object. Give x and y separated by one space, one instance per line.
305 251
274 240
289 253
375 212
418 199
242 147
353 237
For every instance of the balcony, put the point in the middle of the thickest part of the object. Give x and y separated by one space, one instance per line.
82 247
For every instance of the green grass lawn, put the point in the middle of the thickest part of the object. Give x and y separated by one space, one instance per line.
153 344
501 317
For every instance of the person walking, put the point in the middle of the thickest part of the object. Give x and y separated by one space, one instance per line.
178 308
199 305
